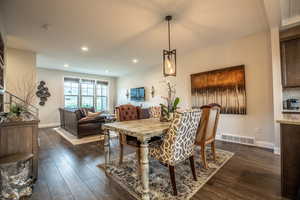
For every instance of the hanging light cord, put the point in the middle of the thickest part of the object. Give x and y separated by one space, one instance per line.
169 32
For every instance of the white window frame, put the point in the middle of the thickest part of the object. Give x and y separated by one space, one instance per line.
81 95
95 90
78 96
101 96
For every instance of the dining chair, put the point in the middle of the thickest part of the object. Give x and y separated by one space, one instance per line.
207 130
127 112
178 143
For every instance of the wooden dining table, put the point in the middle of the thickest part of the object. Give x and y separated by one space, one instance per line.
143 130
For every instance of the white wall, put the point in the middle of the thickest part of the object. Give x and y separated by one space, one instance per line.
20 71
49 114
254 52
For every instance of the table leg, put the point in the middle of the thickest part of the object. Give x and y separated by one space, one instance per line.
107 147
144 163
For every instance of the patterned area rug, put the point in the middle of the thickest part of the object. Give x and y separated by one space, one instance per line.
160 185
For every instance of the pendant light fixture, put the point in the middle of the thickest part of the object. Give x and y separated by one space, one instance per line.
169 56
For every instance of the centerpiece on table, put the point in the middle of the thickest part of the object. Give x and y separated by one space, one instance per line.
167 111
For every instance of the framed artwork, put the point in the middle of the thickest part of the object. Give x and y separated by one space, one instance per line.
225 87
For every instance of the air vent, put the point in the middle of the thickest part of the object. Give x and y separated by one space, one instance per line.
238 139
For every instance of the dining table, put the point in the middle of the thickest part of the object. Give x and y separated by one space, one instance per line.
143 130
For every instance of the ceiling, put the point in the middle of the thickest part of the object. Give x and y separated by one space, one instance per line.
116 31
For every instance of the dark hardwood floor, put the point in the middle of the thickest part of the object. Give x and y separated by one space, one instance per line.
69 172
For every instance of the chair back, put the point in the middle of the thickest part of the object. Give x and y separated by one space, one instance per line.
127 112
213 121
155 112
209 123
201 132
178 143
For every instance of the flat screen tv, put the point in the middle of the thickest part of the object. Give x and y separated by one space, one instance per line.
137 94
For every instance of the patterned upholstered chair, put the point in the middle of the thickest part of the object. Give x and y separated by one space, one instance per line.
126 113
178 143
155 112
206 132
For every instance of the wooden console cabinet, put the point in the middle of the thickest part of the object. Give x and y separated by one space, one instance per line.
20 138
290 160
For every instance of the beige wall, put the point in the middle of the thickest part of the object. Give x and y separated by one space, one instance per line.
252 51
20 71
49 114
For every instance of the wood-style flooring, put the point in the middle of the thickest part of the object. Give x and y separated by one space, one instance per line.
69 172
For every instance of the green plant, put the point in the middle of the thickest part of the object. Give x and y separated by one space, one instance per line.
16 109
171 108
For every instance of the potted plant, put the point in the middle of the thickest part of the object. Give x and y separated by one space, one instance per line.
168 110
15 112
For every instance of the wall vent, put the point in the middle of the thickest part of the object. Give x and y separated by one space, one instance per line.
238 139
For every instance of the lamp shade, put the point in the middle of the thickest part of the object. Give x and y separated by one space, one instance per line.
169 62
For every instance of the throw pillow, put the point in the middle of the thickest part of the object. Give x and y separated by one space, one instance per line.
95 114
85 119
84 112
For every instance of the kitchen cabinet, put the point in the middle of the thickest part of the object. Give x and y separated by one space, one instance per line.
290 57
290 161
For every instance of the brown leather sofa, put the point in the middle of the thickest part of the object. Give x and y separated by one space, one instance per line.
73 121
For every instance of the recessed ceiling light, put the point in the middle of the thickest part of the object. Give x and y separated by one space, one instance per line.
84 48
66 65
135 60
106 71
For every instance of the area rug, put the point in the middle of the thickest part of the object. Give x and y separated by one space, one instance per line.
160 185
77 141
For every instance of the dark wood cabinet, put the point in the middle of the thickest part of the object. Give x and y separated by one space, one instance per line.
290 160
290 57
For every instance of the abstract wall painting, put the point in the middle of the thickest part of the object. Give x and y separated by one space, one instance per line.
225 87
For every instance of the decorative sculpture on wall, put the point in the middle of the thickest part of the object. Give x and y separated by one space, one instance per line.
43 93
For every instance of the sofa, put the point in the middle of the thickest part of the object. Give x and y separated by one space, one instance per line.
73 121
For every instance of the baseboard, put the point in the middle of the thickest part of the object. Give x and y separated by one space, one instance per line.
49 125
261 144
264 144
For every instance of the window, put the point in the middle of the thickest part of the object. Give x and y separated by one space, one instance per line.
101 98
86 94
71 91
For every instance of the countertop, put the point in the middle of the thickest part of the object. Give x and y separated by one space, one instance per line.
293 119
